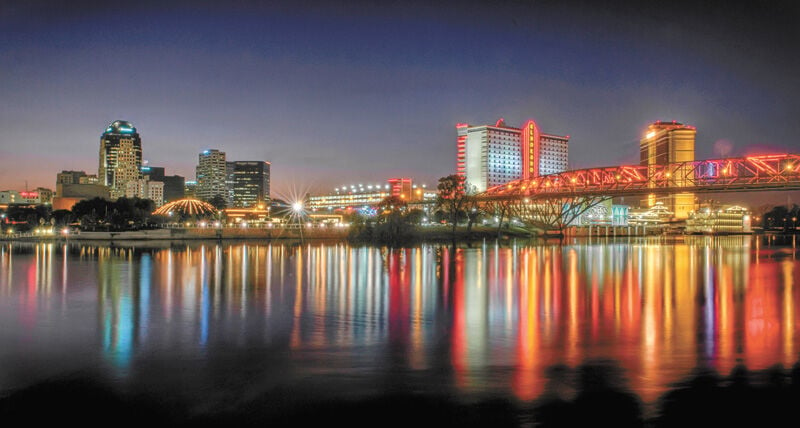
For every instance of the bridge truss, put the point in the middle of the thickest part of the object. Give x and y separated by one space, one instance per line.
553 201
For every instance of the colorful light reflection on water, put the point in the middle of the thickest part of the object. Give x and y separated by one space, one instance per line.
486 320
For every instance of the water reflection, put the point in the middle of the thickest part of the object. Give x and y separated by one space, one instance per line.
483 320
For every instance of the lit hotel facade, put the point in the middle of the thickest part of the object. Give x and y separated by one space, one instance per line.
490 155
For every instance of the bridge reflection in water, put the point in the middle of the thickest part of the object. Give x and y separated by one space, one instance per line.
482 320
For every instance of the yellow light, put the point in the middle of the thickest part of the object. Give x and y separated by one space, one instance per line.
668 175
651 134
574 179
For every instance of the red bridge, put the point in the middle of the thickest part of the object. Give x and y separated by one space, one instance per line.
751 173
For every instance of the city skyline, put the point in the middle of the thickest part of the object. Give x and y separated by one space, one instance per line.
362 92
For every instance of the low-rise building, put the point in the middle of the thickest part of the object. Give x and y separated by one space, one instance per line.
67 195
355 197
39 196
657 214
731 219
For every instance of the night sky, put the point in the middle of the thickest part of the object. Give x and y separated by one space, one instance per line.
337 93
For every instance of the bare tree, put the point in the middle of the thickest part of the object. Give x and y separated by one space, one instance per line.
452 197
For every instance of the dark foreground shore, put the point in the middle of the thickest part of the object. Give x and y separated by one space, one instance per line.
593 394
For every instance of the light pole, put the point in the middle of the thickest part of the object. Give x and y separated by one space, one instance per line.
297 208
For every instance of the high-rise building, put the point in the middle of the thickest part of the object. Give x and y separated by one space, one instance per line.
250 181
211 175
489 155
120 157
230 167
665 143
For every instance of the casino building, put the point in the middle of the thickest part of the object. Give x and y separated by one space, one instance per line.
489 155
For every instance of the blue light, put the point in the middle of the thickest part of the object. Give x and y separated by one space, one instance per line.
206 152
125 130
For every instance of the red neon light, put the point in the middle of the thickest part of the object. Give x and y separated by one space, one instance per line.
530 145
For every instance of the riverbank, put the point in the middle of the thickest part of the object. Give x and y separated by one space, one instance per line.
422 233
428 233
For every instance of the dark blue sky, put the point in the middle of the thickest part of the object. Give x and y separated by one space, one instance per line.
336 93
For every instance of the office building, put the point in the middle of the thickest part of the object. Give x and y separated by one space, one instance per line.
173 184
89 179
69 177
190 189
120 157
490 155
146 189
211 175
250 183
665 143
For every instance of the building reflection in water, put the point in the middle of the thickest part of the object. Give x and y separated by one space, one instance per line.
485 319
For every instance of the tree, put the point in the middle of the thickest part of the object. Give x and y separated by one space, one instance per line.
63 217
391 209
452 197
92 212
415 216
219 202
28 217
122 214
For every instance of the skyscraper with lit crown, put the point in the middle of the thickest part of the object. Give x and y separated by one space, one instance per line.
120 157
665 143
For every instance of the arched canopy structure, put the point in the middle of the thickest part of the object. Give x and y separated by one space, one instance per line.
186 207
